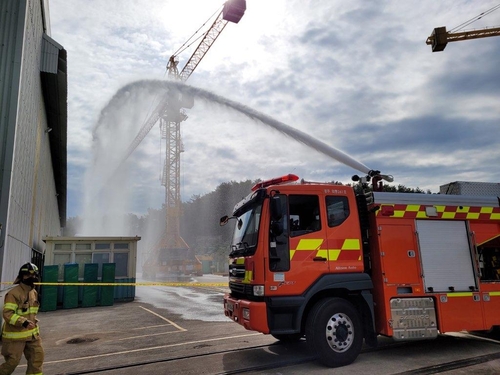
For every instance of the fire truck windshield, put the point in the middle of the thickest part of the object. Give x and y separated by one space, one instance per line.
246 231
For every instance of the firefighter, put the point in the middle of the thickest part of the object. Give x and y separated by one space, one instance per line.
20 333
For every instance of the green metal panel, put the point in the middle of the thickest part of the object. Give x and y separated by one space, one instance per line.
108 276
125 293
89 296
206 266
70 293
48 294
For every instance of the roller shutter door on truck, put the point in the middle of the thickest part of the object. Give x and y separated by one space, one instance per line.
446 256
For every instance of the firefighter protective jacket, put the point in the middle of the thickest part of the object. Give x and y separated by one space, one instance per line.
21 304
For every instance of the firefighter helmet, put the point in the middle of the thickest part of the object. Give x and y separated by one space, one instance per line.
26 269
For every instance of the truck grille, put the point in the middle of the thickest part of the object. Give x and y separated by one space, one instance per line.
236 285
237 271
240 290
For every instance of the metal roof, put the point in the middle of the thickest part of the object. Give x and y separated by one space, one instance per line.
436 199
90 239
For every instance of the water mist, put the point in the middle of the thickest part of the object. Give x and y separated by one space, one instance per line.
108 189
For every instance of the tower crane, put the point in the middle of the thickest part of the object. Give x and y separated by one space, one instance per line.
440 37
170 253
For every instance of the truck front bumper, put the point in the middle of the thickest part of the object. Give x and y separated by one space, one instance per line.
251 315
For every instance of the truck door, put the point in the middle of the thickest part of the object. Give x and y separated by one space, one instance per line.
308 251
344 236
398 254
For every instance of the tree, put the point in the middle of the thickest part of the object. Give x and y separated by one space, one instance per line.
200 219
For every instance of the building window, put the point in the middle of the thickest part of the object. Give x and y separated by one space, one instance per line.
81 259
62 246
83 246
121 261
60 260
100 258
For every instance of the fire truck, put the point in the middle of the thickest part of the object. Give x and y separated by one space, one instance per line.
340 266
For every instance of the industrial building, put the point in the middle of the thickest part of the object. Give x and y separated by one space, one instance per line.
33 131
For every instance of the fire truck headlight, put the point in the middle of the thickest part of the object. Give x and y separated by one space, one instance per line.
258 290
246 314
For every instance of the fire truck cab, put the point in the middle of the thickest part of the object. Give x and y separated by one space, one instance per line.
320 261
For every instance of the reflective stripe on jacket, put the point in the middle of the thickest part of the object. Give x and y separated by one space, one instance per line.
21 304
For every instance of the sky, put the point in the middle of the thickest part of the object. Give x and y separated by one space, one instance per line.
356 75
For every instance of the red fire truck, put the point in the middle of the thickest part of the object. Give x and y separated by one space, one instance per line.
323 262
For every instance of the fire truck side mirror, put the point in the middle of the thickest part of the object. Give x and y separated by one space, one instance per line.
275 207
223 220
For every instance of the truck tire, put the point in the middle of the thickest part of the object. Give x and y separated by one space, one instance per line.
286 338
334 332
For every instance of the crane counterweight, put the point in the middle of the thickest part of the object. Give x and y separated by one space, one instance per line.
234 10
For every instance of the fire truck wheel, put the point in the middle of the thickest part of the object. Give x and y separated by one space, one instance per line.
293 337
334 332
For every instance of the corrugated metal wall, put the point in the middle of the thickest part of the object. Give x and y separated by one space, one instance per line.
28 210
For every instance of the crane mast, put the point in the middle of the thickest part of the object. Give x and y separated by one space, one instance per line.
169 253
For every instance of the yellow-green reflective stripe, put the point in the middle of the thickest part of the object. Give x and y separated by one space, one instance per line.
309 244
465 294
351 244
333 254
413 207
10 306
398 213
322 253
494 294
248 277
20 335
14 319
31 310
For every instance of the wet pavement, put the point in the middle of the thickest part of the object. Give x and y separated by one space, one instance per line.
170 337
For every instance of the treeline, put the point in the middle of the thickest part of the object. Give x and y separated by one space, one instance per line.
200 219
199 222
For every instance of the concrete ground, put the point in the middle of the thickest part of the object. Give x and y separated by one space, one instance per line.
137 338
